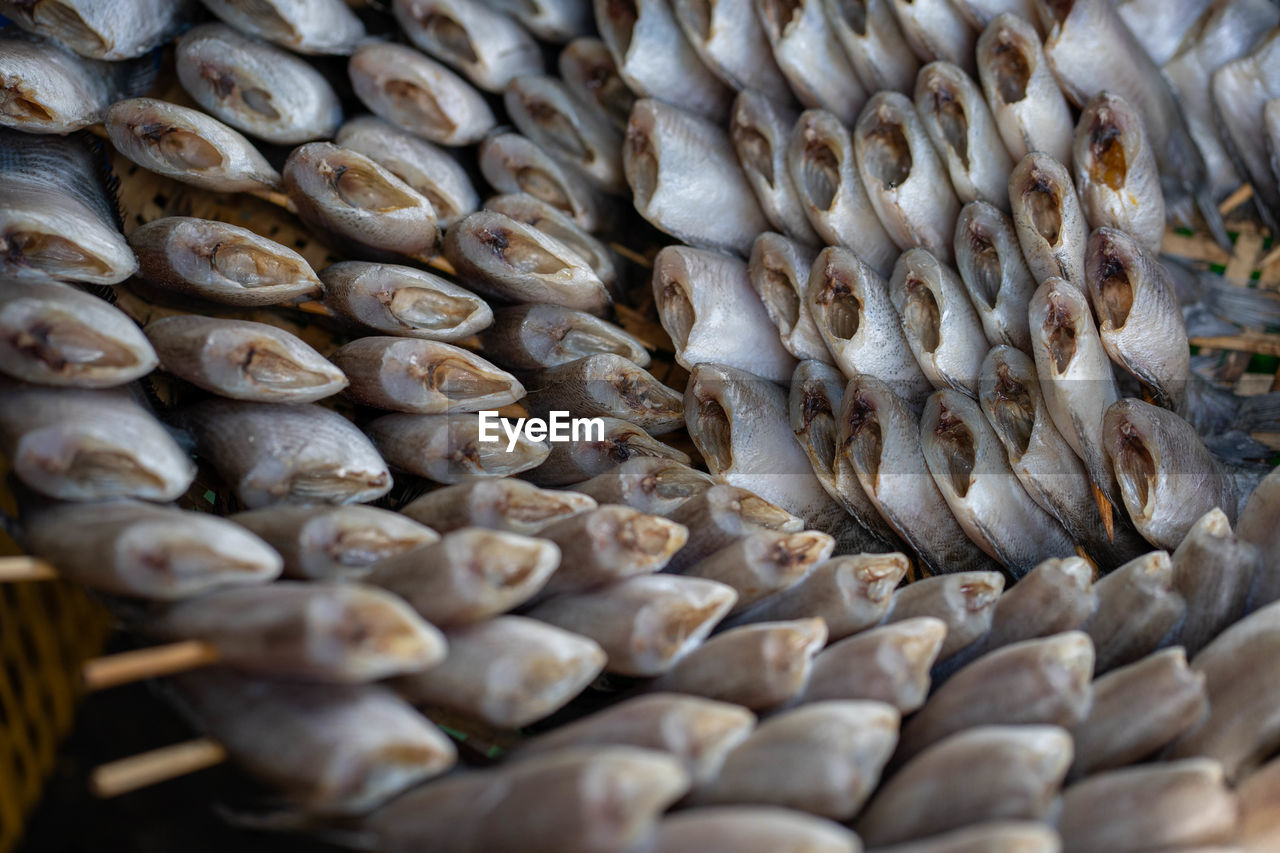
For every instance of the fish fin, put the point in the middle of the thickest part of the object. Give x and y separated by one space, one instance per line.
1260 413
1104 510
1212 218
1239 303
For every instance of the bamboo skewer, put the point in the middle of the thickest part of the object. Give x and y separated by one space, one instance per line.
1242 193
18 569
126 667
158 765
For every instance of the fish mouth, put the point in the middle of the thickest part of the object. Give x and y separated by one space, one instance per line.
754 150
1114 288
1058 10
1136 470
421 103
888 152
957 441
674 482
370 629
180 148
1060 329
648 536
535 507
1108 162
1043 200
610 91
500 564
18 103
52 253
779 15
228 88
173 555
984 264
449 37
1013 409
820 171
492 458
1010 66
642 396
921 315
67 23
331 484
459 380
423 308
865 443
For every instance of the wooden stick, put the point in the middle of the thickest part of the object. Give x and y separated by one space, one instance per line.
275 197
114 670
632 255
158 765
16 569
1270 258
1243 193
1248 342
314 307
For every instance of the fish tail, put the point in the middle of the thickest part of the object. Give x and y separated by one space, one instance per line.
1212 217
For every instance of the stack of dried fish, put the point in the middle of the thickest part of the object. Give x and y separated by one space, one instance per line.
972 535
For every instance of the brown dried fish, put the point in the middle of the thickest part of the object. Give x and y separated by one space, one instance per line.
539 335
607 385
423 377
513 164
964 601
887 664
544 110
720 515
648 484
587 455
763 562
608 544
1212 571
485 44
449 449
750 829
1257 526
1055 596
559 225
1137 608
497 504
779 273
398 300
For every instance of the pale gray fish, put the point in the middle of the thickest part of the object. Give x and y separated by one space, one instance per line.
559 225
645 623
762 563
448 449
46 89
824 759
706 303
607 544
903 176
587 68
1136 710
1228 31
57 221
750 829
719 515
1023 94
816 396
995 274
851 307
1167 477
606 385
188 146
698 732
1259 818
759 667
422 377
54 334
1055 596
1271 118
878 51
98 30
1048 468
403 301
355 200
993 836
427 168
1116 172
608 798
759 129
986 773
935 29
679 165
1075 374
531 337
581 458
545 111
469 576
728 38
880 437
965 602
810 57
886 664
255 87
550 20
980 13
505 259
1137 609
484 43
779 273
136 549
243 360
497 504
1257 526
1241 90
825 174
1160 26
1048 219
647 483
326 632
513 164
1141 323
655 59
1213 569
303 26
1090 49
959 122
81 445
971 470
418 94
938 321
349 747
272 453
220 262
321 542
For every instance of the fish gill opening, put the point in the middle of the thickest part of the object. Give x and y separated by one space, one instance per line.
754 150
888 152
1061 338
921 316
535 506
364 188
110 470
331 483
250 266
1013 410
266 16
643 164
265 364
517 251
610 91
1010 67
986 273
819 428
421 103
541 185
370 627
791 555
68 346
671 622
854 14
716 433
359 545
180 148
843 315
1058 10
51 253
866 438
70 27
1115 290
502 565
626 442
18 103
779 294
559 128
952 120
640 393
675 308
1040 196
424 308
458 379
620 19
959 451
646 535
1108 164
780 14
450 37
755 510
259 101
1135 469
697 16
675 481
820 172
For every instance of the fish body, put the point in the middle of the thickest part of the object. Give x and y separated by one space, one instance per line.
728 38
545 111
938 321
995 274
511 163
810 56
878 51
558 225
497 504
587 68
447 448
404 301
422 377
111 31
759 129
538 335
936 30
779 273
958 120
304 26
1241 90
1116 171
485 44
46 89
1048 219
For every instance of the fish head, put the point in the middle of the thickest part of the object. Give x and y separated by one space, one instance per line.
835 292
64 241
916 290
1133 443
1007 53
949 437
942 90
1059 314
980 238
1112 273
884 139
1040 186
822 145
1010 394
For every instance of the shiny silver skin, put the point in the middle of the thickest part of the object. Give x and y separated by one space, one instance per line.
47 89
759 130
878 51
728 38
995 274
959 122
810 57
483 43
404 301
1241 90
304 26
936 30
1116 173
551 20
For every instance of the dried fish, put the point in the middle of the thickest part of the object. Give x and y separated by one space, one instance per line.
1241 90
243 360
352 199
1056 596
305 26
938 321
648 484
878 51
678 165
607 544
274 453
964 601
1047 217
498 504
56 221
587 68
47 89
996 836
220 262
505 259
540 335
551 20
1161 27
546 112
1116 171
513 164
960 123
424 377
485 44
728 38
131 548
558 225
1257 526
810 57
759 130
255 87
824 759
54 334
607 385
1025 100
399 300
334 542
935 29
1138 607
720 515
762 563
1256 796
707 304
583 457
824 172
779 271
114 31
645 623
332 633
1212 570
750 829
448 449
903 176
430 170
888 664
980 13
78 445
419 95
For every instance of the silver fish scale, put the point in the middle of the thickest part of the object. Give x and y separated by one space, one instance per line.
58 165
